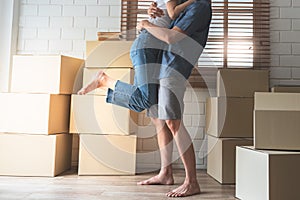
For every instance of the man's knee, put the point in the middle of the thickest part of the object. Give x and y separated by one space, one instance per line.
157 121
158 124
173 125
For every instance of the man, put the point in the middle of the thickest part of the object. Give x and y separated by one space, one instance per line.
178 61
185 41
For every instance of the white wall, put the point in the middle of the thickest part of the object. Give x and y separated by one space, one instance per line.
8 24
62 26
285 42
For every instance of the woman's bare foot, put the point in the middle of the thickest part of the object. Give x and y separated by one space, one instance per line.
158 180
186 189
94 84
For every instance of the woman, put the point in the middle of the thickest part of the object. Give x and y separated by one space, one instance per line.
146 58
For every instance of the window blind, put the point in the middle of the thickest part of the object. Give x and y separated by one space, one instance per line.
239 35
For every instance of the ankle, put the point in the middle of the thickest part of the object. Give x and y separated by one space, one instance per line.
166 171
102 80
191 181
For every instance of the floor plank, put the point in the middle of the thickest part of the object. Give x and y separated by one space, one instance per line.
69 186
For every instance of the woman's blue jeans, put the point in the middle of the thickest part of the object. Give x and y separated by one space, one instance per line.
143 94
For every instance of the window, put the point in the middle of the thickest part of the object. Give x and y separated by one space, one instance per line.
238 37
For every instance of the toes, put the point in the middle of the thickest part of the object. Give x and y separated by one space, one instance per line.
156 181
181 194
99 74
146 182
139 183
181 191
173 194
81 92
169 194
142 183
151 181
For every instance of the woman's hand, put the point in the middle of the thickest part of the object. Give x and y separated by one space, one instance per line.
154 11
142 24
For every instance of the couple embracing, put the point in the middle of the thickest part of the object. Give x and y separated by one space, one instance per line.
163 56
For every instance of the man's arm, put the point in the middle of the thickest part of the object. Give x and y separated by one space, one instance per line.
164 34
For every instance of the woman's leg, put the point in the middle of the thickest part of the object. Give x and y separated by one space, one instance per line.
143 93
134 97
101 80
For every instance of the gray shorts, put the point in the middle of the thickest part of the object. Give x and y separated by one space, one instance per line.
170 99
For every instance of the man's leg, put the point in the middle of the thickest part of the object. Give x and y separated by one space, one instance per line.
186 150
171 108
165 143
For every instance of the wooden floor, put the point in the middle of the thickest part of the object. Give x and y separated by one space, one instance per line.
69 186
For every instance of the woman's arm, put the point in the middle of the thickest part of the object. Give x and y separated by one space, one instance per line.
174 10
153 11
166 35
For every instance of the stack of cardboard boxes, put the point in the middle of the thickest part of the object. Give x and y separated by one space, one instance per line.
229 118
34 117
148 154
270 169
107 132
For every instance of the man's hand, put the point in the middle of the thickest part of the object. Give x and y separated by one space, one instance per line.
154 11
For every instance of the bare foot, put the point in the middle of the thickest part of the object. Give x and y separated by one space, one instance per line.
158 180
187 189
94 84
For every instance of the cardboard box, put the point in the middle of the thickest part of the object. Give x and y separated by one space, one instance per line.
148 143
92 115
107 155
277 130
75 150
34 113
102 36
276 121
277 101
108 54
150 161
267 175
229 117
241 82
288 89
123 74
45 74
34 155
221 158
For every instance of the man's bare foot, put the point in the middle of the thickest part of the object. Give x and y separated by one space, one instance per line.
186 189
94 84
158 180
